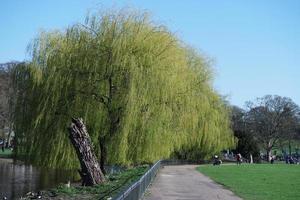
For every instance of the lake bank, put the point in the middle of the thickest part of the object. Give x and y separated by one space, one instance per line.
17 179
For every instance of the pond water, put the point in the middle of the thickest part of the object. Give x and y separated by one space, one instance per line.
18 179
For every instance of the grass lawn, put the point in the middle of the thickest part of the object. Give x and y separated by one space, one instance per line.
6 154
258 181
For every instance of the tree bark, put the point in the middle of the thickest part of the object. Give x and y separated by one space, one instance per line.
90 172
269 153
269 150
290 148
9 134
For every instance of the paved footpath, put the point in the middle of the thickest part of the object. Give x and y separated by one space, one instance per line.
183 182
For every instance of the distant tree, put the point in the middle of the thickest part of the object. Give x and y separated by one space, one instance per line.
4 81
291 133
6 93
271 119
246 145
298 137
238 118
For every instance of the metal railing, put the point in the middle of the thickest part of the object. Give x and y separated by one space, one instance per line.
183 162
137 189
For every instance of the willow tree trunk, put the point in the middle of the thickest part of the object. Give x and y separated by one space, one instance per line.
90 172
269 154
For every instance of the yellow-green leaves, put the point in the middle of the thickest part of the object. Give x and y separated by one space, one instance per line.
137 87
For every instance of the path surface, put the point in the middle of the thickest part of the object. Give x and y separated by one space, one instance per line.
183 182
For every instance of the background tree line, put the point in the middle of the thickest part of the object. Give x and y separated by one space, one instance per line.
6 98
267 123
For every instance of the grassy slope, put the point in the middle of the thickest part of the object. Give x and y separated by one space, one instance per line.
258 181
6 154
115 184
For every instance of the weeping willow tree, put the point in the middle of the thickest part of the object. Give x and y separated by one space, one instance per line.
142 93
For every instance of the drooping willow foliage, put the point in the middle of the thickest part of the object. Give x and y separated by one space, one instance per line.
142 93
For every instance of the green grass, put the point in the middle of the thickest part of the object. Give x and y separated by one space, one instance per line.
6 154
114 184
258 181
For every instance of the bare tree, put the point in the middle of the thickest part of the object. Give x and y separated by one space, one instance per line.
6 95
271 119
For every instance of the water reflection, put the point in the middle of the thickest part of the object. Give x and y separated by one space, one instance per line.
18 179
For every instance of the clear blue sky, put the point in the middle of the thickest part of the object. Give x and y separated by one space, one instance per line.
255 44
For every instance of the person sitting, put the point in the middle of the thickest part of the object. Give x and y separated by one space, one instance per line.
217 161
